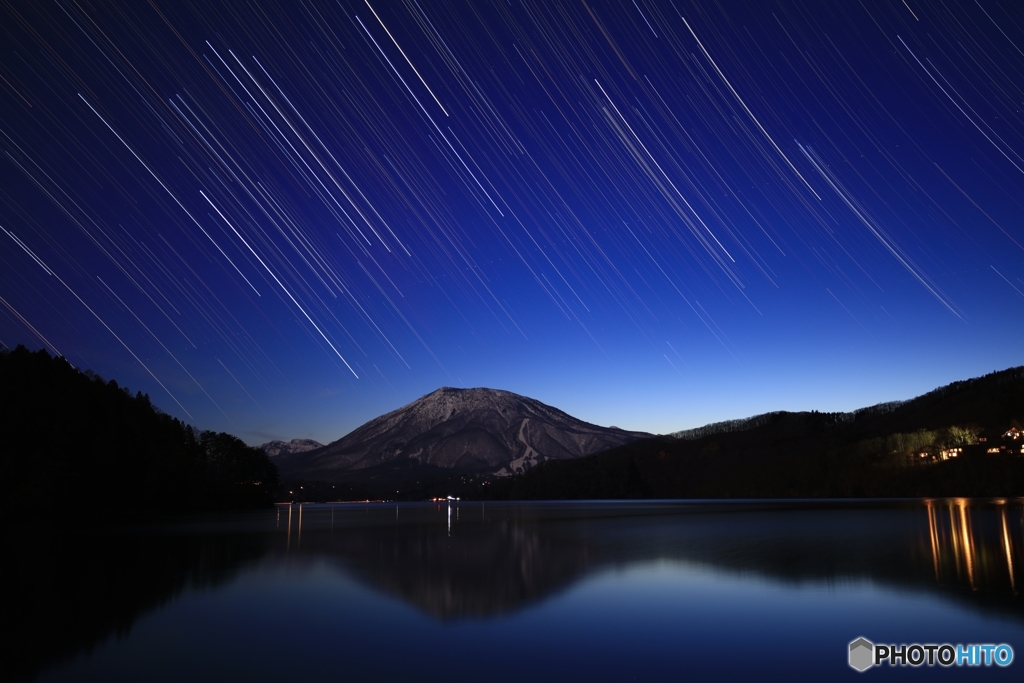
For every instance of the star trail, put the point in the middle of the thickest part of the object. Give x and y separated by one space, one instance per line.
282 219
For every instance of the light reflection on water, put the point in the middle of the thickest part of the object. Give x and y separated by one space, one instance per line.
953 543
582 590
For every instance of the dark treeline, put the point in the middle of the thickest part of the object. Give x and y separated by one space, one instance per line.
388 482
890 452
71 440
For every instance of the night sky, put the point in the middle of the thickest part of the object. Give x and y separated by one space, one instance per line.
282 219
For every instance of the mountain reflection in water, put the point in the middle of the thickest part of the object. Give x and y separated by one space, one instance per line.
479 561
484 559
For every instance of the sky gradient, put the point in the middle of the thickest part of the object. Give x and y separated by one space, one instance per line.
282 219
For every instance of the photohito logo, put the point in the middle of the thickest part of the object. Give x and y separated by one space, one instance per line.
864 654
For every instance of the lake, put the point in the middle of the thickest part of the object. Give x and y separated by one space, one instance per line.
553 591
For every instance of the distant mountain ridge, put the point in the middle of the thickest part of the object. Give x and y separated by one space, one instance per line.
958 440
980 411
747 423
471 430
276 447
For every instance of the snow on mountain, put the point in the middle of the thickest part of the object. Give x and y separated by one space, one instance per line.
473 430
275 448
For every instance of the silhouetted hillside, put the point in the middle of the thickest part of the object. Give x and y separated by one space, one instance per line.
928 446
74 441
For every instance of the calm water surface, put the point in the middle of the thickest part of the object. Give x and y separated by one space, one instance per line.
619 591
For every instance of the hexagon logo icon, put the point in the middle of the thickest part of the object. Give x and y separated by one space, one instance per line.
862 654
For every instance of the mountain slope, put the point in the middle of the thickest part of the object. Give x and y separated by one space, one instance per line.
277 447
468 430
886 450
72 442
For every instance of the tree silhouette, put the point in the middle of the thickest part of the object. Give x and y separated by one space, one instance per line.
73 440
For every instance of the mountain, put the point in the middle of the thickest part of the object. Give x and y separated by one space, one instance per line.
274 448
484 431
958 440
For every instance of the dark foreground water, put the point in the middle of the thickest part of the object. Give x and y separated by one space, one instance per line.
564 591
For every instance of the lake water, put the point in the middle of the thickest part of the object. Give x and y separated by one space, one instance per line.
469 591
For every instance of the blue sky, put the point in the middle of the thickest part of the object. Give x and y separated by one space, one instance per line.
283 220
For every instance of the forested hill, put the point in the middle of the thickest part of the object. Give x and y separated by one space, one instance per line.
952 441
72 441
